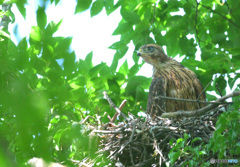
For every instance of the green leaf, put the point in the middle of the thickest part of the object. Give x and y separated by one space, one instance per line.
82 5
58 135
97 7
22 46
35 34
95 70
137 81
116 45
12 49
20 5
106 71
196 139
113 86
140 93
109 6
52 27
88 59
41 17
173 44
63 46
130 16
174 156
221 83
124 68
4 34
134 69
122 28
56 2
234 51
135 57
69 63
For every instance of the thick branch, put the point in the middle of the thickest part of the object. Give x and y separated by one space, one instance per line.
201 111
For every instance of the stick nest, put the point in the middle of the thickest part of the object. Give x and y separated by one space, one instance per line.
147 143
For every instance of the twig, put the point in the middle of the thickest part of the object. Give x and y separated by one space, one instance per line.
131 155
196 22
203 91
218 89
114 106
201 111
192 101
120 108
157 149
130 140
109 132
85 119
214 11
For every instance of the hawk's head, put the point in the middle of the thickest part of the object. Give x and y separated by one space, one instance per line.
153 54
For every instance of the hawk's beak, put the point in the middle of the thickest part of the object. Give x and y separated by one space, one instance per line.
139 52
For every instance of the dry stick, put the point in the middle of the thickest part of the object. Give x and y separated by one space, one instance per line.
114 106
159 151
108 131
203 91
130 140
201 111
131 155
192 101
156 146
120 108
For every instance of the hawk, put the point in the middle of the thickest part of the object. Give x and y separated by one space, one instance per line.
170 79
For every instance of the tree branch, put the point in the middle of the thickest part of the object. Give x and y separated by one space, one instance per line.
196 23
201 111
214 11
120 108
114 106
192 101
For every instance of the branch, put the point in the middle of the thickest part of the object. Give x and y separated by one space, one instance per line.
203 91
108 131
196 22
201 111
120 108
207 7
114 106
192 101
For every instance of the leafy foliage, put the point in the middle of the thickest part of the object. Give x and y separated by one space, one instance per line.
46 93
194 155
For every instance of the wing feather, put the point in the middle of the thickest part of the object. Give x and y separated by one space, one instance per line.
156 106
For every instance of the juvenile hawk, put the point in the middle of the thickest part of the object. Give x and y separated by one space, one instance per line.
170 79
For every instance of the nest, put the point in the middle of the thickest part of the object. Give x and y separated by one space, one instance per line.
147 143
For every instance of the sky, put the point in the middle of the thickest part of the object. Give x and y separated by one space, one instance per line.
89 34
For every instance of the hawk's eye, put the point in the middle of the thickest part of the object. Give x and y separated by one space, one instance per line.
150 49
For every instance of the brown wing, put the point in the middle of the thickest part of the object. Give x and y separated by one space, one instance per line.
156 106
